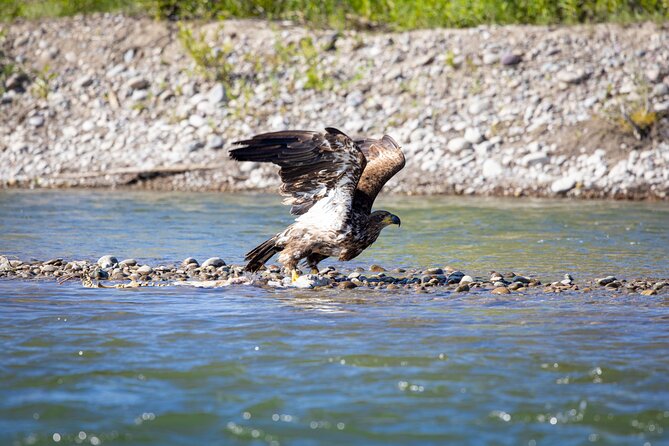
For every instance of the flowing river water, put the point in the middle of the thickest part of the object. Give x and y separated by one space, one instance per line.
249 366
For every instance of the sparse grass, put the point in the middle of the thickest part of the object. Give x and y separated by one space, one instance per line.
43 82
304 52
211 61
634 114
395 14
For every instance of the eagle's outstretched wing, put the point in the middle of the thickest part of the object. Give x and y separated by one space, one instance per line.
384 160
313 165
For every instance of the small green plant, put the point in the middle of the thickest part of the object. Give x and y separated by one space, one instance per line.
304 52
450 60
211 62
43 82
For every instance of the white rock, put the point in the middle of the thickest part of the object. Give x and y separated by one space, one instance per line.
196 121
572 76
216 94
36 121
213 261
139 95
473 135
307 281
459 144
491 168
534 159
563 185
144 270
107 261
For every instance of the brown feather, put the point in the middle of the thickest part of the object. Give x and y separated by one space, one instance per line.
384 159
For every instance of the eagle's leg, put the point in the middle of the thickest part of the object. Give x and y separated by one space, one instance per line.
312 261
294 275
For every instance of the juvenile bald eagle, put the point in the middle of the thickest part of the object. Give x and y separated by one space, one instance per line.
331 182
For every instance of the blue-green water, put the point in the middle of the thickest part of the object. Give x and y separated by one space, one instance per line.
250 366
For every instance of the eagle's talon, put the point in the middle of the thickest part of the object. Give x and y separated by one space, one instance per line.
294 275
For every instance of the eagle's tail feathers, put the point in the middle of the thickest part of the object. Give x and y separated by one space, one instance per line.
261 254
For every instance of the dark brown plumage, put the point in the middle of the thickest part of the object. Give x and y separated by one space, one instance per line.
331 183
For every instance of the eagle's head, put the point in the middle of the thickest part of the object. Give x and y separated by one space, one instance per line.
384 218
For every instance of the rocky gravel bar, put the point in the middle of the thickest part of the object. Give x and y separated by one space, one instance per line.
108 272
111 101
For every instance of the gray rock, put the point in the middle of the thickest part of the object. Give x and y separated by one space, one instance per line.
194 146
572 76
466 279
213 261
534 159
144 270
660 90
606 280
355 98
84 81
563 185
215 142
127 262
190 261
107 261
137 83
17 82
510 59
459 144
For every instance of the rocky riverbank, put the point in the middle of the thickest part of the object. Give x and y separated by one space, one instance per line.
108 272
109 101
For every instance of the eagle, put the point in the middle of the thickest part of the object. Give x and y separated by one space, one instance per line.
330 181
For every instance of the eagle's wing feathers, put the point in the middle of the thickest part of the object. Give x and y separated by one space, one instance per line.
384 159
312 164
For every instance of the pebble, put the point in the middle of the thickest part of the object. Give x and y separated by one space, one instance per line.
127 262
605 281
144 270
216 262
137 83
216 94
563 185
473 135
510 59
376 268
457 145
500 290
572 76
107 261
215 142
190 261
36 121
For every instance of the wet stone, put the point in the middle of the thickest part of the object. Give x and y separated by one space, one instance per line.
213 261
377 269
347 285
107 261
501 290
605 281
144 270
127 262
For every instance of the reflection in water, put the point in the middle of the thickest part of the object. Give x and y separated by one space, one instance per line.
247 365
475 235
